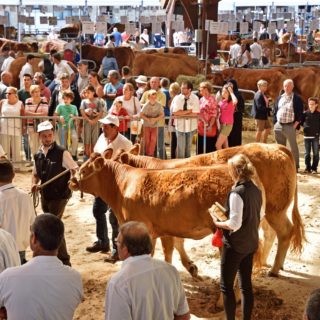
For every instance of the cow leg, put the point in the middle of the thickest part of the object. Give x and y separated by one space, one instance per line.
185 260
283 231
268 239
167 248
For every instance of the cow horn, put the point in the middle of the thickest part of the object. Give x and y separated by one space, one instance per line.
98 164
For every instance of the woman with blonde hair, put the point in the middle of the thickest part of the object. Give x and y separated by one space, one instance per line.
240 235
35 106
174 90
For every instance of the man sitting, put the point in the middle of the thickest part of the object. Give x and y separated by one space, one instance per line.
43 288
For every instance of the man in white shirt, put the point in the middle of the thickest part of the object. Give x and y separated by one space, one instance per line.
144 38
26 69
16 209
256 52
9 254
7 62
185 105
43 288
235 52
109 139
51 160
144 288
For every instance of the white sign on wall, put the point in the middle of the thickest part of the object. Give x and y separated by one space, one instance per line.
124 19
314 24
272 27
101 27
22 18
244 27
3 20
30 21
214 27
232 25
287 15
256 26
88 27
223 27
280 24
290 26
43 20
156 27
102 18
53 21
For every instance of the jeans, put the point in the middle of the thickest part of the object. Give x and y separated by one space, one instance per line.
56 207
314 145
99 212
52 85
231 263
210 144
160 143
184 141
26 146
283 132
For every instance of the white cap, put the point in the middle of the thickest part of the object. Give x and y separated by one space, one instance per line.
142 79
45 125
110 119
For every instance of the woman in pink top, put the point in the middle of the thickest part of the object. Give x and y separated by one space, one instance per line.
207 118
227 107
34 107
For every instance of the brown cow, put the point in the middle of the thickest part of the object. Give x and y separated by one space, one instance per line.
19 46
57 44
123 55
70 30
276 169
166 65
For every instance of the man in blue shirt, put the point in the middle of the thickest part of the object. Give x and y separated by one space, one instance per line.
117 37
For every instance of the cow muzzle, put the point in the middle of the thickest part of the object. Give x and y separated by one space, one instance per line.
74 184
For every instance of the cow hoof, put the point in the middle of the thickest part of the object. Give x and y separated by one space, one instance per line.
193 270
273 274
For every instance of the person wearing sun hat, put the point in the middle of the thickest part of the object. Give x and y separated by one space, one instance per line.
110 138
50 160
141 82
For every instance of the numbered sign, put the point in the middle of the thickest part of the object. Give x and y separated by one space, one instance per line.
30 21
214 27
53 21
88 27
244 27
101 27
43 20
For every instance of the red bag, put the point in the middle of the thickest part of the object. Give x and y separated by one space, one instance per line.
217 239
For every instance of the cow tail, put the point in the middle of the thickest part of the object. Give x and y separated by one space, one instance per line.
298 233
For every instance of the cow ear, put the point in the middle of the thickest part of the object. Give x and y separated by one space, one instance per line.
135 149
94 155
124 158
107 154
98 164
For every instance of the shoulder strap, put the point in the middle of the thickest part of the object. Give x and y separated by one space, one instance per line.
134 104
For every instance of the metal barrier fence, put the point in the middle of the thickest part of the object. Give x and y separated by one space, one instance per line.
20 140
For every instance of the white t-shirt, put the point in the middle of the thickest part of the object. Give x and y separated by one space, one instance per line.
26 69
145 288
184 125
144 36
60 68
6 64
9 255
235 51
16 214
120 142
43 288
129 105
256 51
11 126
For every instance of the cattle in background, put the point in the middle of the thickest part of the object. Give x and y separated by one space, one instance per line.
123 55
70 30
8 32
276 169
18 46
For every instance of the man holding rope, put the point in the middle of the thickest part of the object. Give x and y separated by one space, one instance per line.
50 161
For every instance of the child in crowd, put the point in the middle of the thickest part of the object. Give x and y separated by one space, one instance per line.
227 107
311 130
67 126
118 110
92 109
151 113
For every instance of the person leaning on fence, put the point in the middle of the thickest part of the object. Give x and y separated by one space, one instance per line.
207 119
34 107
67 134
42 288
144 288
151 113
92 109
185 105
16 209
260 112
227 107
12 129
240 235
51 160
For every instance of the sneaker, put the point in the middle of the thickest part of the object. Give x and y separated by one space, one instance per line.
97 247
307 171
314 172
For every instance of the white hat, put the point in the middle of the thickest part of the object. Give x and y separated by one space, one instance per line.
110 119
142 79
45 125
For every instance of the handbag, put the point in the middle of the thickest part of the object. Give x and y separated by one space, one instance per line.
135 125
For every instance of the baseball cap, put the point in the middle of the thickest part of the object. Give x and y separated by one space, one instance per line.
110 119
45 125
142 79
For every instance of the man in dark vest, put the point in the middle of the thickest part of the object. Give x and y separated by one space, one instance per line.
50 160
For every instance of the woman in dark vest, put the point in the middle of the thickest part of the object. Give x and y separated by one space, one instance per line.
240 236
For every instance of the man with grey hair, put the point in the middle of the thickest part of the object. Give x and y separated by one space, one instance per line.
288 112
114 88
144 288
312 310
6 79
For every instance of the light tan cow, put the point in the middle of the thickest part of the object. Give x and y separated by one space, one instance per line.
276 169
